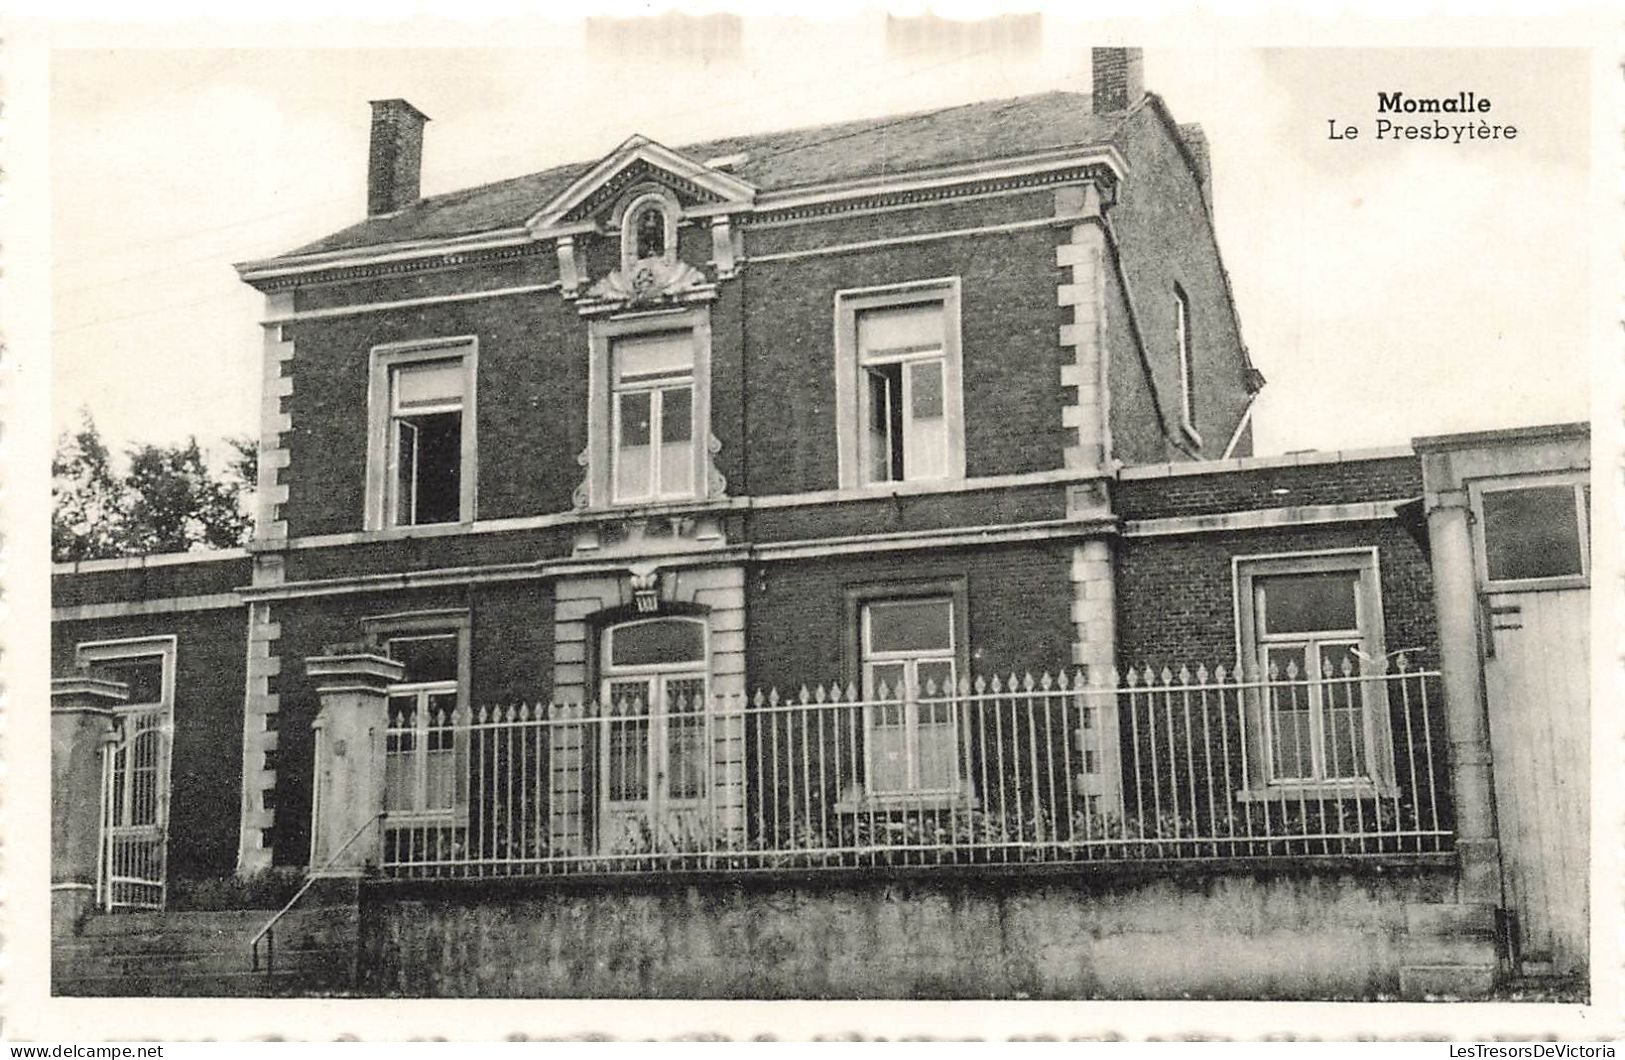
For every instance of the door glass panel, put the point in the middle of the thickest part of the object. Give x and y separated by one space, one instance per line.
628 740
1531 532
685 737
660 642
911 625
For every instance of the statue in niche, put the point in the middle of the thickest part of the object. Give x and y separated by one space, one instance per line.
650 235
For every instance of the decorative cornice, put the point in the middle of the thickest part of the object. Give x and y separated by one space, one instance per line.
651 282
404 266
640 170
766 215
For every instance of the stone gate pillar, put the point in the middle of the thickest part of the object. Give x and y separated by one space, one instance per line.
349 789
81 731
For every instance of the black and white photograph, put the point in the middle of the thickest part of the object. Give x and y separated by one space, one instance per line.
905 505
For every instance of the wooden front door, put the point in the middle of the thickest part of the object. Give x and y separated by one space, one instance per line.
1534 567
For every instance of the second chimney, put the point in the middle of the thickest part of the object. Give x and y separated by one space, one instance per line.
1119 78
395 157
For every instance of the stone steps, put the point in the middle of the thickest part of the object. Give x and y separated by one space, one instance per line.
207 954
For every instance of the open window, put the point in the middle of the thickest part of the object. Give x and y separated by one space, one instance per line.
900 407
1312 650
422 449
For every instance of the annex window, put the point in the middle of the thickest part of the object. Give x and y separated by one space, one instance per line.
140 769
900 407
1535 531
909 677
1311 629
652 449
421 454
1187 364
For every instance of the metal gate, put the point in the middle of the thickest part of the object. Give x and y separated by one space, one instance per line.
135 812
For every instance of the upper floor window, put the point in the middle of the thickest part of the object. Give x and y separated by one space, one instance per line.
1311 629
1187 365
899 404
653 450
422 448
649 411
1534 531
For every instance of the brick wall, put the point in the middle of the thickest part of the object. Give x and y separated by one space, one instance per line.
71 588
1019 600
210 649
1176 600
1337 482
512 661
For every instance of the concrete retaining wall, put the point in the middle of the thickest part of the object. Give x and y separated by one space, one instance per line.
1306 931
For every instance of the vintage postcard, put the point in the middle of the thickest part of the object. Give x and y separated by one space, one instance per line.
993 520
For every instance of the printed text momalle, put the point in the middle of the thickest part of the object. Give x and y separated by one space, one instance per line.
1460 103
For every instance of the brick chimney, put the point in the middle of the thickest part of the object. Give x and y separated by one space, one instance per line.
395 158
1119 78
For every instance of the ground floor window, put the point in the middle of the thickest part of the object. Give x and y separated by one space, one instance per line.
1311 631
909 677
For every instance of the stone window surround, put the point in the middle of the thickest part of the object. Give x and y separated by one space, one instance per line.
1367 561
382 359
456 621
859 595
596 490
848 400
92 652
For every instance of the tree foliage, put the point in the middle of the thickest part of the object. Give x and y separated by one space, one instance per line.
164 500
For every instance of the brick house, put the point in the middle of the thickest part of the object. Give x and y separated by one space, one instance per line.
669 532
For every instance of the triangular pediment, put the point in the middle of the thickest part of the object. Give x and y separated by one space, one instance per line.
639 160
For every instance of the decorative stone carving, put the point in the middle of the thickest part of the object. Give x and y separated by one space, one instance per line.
646 282
633 535
645 582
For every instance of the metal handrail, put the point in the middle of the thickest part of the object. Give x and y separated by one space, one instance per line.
310 880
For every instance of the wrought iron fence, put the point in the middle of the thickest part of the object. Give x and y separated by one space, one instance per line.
1143 766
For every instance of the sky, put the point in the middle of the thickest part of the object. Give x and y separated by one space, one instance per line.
1386 290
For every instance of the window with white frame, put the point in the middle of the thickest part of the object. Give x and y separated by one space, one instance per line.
909 653
422 435
648 411
652 454
1187 365
900 407
1534 531
1312 640
140 780
423 774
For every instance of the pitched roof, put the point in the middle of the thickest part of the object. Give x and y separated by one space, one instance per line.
775 161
